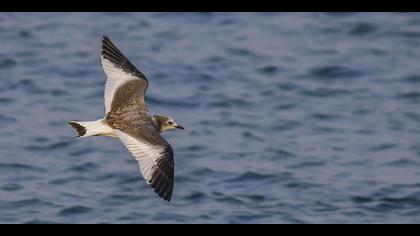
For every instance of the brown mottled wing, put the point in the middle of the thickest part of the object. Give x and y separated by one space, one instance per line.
154 155
119 71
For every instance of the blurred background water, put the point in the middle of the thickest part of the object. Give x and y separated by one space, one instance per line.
290 117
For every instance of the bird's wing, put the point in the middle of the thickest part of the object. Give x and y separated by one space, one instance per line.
154 155
119 70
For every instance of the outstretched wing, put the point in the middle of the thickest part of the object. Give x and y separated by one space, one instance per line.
119 70
155 157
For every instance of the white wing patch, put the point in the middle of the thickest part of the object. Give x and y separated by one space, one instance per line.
115 78
146 154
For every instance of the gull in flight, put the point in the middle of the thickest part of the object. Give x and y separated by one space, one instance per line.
128 119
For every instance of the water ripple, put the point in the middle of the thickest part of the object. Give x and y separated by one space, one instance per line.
325 92
11 187
55 145
74 210
333 72
363 29
27 202
6 63
251 176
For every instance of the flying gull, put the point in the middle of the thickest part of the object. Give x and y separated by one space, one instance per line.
128 119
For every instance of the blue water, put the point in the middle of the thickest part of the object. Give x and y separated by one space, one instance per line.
290 118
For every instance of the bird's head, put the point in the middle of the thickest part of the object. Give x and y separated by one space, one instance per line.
166 123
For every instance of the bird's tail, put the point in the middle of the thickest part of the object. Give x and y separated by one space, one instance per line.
90 128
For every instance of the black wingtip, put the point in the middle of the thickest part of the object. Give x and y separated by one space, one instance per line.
166 198
105 38
111 52
162 184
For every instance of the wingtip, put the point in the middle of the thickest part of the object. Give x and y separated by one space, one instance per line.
164 195
105 42
168 199
168 195
106 39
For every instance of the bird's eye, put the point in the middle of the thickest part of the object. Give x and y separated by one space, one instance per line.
170 122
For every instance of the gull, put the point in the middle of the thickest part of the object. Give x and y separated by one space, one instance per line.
128 119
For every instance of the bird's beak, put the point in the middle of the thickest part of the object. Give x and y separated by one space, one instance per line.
179 127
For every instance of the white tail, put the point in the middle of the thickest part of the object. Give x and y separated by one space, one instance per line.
91 128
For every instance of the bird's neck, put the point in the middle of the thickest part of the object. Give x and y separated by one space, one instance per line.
157 122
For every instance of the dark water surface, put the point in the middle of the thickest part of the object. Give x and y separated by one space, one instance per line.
290 118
